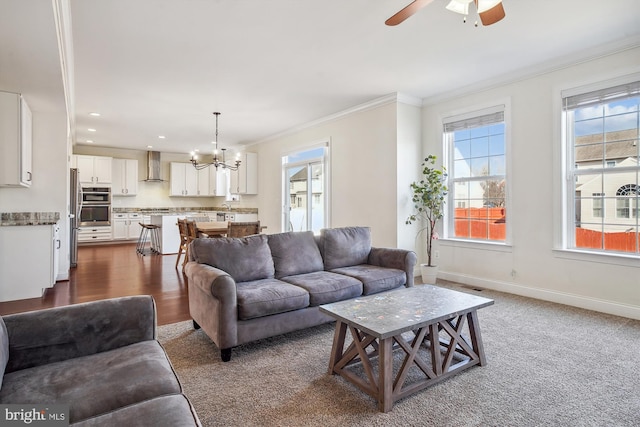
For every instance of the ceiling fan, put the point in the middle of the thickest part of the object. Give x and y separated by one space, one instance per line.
490 11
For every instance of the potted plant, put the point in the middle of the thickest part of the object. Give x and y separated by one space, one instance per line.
428 199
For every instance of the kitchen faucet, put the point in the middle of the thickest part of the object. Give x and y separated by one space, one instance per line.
226 205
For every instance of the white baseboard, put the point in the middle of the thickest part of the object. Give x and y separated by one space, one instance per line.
604 306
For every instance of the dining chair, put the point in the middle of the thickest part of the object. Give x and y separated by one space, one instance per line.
242 229
184 240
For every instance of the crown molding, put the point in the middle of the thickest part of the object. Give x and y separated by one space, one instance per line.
395 97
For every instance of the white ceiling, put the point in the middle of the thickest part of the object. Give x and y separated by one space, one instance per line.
161 67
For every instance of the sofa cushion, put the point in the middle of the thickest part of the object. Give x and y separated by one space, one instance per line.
347 246
295 253
4 349
374 279
325 287
260 298
173 410
244 259
93 385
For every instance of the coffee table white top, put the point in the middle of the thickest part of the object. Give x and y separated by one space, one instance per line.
391 313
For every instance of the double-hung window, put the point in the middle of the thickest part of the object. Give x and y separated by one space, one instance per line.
476 160
601 136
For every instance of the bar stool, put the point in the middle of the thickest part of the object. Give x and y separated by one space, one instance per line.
149 232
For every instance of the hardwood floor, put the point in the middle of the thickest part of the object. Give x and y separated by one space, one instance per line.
109 271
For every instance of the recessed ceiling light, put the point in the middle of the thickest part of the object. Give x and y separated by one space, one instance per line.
161 136
91 130
149 146
94 114
196 150
90 141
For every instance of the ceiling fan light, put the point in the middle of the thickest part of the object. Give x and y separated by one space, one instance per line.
459 6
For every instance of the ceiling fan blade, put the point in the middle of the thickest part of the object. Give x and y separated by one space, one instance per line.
407 12
493 15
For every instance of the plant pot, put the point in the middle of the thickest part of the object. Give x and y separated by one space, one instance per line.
429 274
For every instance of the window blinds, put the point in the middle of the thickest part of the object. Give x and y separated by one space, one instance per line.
475 119
572 100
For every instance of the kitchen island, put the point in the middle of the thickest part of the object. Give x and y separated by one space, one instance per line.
168 235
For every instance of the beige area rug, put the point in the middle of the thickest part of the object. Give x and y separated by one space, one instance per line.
548 365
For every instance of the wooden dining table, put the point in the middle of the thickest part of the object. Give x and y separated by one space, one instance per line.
212 228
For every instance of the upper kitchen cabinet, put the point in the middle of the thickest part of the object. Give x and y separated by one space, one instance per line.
125 177
15 141
245 179
184 180
94 169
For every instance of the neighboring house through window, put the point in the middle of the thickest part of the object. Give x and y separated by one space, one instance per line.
601 137
476 163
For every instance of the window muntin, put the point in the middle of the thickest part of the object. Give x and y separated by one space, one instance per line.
476 147
601 139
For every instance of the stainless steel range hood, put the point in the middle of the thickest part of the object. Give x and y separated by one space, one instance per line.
153 167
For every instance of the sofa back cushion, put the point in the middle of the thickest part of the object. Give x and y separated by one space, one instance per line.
344 247
244 259
295 253
4 349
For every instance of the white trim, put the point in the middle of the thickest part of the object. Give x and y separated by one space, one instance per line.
62 18
595 304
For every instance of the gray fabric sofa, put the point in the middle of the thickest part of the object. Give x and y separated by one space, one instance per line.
100 358
245 289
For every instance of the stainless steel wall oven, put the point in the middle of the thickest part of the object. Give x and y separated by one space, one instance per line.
96 206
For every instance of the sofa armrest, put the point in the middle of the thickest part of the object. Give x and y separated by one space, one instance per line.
400 259
213 281
61 333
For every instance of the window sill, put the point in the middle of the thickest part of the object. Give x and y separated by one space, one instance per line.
474 244
604 258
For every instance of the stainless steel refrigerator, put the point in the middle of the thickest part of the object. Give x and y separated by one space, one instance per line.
75 204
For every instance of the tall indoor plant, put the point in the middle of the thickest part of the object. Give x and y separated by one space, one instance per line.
428 199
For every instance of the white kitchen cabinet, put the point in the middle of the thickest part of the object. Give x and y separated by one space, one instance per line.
26 268
94 234
204 182
217 182
126 226
184 180
245 179
15 141
124 177
94 169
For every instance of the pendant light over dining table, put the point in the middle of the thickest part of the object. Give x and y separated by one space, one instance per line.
216 161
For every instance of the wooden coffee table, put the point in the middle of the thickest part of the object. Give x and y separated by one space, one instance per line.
444 338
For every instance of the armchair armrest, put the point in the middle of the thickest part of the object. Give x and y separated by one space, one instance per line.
61 333
400 259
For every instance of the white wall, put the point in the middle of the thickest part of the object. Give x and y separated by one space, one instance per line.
364 181
532 265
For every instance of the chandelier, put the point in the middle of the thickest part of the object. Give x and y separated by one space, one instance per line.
216 161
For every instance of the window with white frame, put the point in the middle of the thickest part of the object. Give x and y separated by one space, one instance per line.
476 164
305 190
601 134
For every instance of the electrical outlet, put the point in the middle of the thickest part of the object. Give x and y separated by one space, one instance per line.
436 254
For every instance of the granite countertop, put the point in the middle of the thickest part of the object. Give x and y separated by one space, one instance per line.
178 211
29 218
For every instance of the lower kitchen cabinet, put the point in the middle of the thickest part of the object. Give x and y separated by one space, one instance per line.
27 269
94 234
126 226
